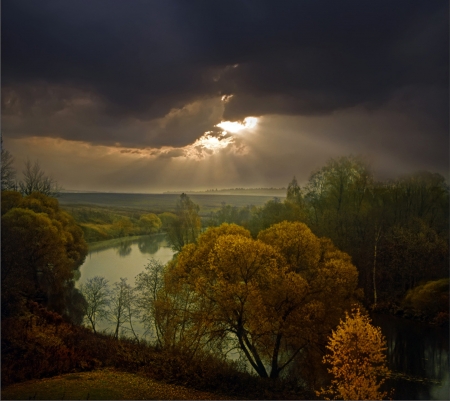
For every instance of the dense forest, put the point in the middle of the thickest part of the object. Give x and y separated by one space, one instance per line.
395 231
286 284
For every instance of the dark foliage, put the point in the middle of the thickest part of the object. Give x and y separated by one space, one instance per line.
41 344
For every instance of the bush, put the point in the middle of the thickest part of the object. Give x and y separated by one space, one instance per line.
429 300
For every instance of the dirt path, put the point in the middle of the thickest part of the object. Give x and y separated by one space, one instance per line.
105 384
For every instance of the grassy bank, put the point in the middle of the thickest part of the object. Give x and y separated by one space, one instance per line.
39 345
100 245
103 384
103 223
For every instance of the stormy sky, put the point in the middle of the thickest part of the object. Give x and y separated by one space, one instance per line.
145 96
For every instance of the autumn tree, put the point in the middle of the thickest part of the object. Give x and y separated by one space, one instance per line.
122 227
357 359
167 218
10 199
41 248
269 300
96 293
35 180
150 223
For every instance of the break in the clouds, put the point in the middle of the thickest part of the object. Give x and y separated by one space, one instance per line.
154 85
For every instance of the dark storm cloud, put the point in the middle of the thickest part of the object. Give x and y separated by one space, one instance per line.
141 59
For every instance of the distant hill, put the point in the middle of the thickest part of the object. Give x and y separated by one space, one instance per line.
158 203
278 192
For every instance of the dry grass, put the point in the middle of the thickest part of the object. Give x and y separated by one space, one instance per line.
104 384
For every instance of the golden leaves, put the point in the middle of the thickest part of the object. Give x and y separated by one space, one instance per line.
274 294
357 359
296 242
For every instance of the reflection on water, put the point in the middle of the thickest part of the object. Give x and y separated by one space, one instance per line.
123 257
123 249
150 247
418 356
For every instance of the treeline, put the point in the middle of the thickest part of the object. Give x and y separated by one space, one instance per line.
395 231
99 224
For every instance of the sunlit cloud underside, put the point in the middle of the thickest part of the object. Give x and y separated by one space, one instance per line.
236 126
212 142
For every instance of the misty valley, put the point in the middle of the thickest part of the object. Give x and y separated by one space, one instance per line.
225 200
340 281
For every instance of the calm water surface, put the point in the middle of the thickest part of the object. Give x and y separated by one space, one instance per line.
417 353
124 257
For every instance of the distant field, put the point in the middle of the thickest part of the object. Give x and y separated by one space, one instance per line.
157 203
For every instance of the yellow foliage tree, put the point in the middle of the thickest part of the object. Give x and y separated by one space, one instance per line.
257 295
357 358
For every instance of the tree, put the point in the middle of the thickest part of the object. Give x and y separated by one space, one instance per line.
35 180
232 215
430 299
336 195
412 253
422 195
167 218
294 193
122 227
357 358
150 223
7 170
251 294
41 248
148 285
121 306
186 228
96 293
10 199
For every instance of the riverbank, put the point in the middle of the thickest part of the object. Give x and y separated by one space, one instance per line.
394 309
115 242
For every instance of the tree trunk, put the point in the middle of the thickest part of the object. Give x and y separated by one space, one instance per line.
377 238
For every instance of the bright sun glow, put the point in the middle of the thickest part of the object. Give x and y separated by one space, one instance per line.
236 126
207 145
213 143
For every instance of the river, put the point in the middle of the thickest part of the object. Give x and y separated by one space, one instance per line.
123 257
417 353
